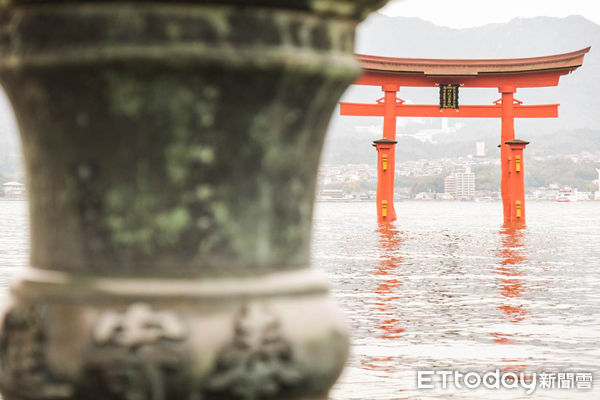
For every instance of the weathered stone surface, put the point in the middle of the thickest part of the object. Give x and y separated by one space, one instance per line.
344 8
170 140
172 152
274 337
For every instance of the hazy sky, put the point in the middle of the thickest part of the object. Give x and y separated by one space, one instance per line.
468 13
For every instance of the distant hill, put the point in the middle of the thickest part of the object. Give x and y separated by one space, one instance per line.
578 124
576 129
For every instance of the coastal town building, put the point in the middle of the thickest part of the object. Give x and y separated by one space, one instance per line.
461 185
358 181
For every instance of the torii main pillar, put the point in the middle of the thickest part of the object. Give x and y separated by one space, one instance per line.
507 75
514 197
386 156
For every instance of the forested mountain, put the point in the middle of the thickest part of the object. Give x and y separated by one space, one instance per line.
349 138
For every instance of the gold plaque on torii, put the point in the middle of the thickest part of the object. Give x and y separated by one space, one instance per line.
449 96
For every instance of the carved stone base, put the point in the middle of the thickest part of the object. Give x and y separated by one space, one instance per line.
271 337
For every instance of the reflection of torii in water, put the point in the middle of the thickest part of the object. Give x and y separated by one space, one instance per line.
510 273
511 286
387 290
389 279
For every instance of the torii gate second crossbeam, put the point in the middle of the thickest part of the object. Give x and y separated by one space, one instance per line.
449 75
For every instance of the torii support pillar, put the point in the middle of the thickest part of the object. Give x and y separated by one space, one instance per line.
386 150
515 181
389 111
507 134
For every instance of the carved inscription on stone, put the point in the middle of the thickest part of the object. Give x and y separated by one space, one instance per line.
257 364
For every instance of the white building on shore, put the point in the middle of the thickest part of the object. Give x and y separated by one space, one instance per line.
461 185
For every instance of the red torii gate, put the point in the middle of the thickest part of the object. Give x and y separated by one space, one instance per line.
505 74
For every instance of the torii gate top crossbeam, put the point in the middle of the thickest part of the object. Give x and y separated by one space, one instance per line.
505 74
516 72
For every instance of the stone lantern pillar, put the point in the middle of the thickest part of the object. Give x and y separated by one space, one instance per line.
171 153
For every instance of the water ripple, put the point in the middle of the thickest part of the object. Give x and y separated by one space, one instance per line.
444 287
448 287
